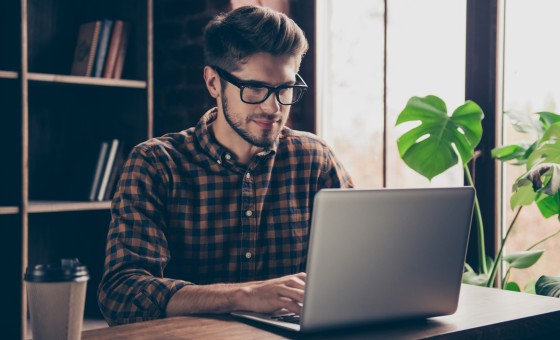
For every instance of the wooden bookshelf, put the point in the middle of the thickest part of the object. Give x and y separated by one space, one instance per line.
65 79
9 210
11 171
8 74
62 206
55 123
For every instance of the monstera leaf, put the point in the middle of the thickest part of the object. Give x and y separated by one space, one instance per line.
526 123
513 286
523 259
530 287
541 183
548 148
548 118
473 278
429 147
537 124
548 286
549 205
516 151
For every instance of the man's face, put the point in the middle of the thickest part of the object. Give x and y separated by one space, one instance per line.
259 124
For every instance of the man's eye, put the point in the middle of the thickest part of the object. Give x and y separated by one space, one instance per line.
255 89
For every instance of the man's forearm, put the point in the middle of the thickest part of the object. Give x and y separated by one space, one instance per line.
258 296
215 298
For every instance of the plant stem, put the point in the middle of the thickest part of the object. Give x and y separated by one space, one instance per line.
544 239
480 230
498 259
506 278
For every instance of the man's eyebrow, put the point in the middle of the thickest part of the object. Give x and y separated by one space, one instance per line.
254 82
262 83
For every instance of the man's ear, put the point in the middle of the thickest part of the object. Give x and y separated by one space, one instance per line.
212 82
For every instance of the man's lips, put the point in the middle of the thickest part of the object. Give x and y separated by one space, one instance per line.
265 124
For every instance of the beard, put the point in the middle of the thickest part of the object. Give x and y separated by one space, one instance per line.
264 140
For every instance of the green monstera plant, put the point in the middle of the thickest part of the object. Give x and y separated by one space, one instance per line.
540 184
442 139
428 148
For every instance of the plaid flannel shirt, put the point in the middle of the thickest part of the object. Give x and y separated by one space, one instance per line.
186 213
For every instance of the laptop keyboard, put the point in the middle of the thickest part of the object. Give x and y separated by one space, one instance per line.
291 318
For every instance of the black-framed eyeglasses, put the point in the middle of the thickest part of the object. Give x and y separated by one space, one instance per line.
253 92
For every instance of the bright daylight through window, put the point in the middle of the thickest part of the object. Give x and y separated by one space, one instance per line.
531 73
425 55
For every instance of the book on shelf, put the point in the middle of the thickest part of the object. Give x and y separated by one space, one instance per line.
115 173
109 165
101 158
114 47
102 46
101 49
86 47
107 169
121 54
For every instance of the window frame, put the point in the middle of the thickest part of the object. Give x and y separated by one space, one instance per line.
482 84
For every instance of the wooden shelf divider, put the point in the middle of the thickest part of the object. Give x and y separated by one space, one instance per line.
7 210
61 206
8 75
66 79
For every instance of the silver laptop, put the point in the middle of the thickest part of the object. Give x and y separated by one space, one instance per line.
382 255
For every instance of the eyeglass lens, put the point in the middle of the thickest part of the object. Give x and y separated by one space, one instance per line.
286 96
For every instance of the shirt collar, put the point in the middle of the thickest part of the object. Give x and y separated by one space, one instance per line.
211 146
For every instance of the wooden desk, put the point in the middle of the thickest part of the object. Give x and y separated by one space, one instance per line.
482 313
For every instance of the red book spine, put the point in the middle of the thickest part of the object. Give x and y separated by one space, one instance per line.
117 73
114 46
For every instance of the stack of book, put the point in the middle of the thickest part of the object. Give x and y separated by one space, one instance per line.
107 170
101 49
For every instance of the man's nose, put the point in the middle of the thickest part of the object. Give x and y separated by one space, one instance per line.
271 104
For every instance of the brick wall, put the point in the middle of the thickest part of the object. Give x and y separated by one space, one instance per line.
180 96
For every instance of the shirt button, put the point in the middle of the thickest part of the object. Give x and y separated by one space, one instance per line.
219 161
248 213
248 175
248 255
227 156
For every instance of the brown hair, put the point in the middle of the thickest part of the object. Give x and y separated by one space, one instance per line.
232 37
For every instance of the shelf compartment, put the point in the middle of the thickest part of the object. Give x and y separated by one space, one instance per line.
63 206
53 32
65 79
67 125
11 131
10 16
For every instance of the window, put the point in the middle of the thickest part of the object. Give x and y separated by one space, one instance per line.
425 55
531 71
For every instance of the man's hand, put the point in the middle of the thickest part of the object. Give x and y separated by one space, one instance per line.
259 296
272 295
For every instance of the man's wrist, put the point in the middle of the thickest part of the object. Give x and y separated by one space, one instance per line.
237 298
216 298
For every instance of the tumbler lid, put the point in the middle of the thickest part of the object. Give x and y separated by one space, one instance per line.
64 270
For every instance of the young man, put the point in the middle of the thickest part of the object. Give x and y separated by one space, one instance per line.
216 218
